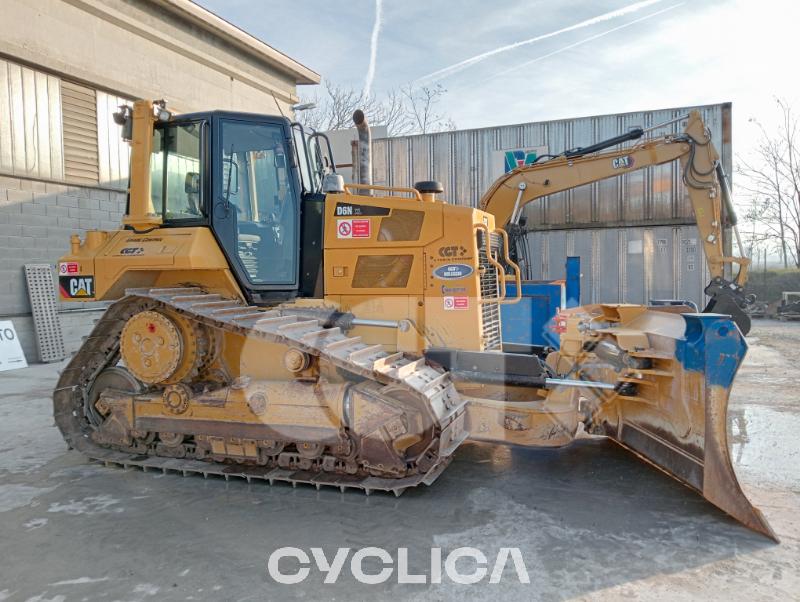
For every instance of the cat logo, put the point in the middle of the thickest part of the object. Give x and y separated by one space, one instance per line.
76 287
625 162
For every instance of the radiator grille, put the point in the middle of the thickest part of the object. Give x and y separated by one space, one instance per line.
402 225
490 312
382 271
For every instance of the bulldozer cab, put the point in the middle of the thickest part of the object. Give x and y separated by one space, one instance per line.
247 177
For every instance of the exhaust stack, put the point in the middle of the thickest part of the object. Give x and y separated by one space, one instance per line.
364 162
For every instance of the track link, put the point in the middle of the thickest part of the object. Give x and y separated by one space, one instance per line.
428 385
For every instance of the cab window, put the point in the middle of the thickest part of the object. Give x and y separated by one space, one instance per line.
176 172
258 187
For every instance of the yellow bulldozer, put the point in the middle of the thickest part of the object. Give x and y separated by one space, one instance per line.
271 322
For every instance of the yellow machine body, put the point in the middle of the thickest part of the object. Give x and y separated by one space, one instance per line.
374 382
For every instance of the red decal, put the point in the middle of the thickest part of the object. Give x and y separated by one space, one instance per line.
456 303
353 228
69 267
361 228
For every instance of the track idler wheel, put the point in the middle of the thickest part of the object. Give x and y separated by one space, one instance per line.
162 349
114 377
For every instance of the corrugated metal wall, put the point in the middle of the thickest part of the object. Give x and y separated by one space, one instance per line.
114 152
30 123
464 162
58 130
597 221
634 265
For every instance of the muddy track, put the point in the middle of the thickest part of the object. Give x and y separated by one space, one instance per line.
395 373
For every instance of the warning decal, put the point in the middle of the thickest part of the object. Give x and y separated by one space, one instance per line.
454 303
353 228
70 267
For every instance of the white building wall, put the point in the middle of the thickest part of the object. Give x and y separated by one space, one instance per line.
114 51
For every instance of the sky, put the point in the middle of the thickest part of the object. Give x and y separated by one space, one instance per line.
515 61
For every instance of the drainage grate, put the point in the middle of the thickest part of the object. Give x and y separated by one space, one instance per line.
46 321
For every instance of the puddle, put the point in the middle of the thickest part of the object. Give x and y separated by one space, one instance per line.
764 446
19 496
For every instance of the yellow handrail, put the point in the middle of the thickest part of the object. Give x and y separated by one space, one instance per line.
501 294
517 273
413 191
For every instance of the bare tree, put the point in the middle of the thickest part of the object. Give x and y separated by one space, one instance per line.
405 111
773 184
334 111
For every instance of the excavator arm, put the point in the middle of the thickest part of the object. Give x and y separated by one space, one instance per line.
701 173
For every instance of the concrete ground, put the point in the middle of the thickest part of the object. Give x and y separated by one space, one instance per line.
591 521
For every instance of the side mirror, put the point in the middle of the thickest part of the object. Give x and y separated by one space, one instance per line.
191 184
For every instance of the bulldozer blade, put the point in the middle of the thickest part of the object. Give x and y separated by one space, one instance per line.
684 432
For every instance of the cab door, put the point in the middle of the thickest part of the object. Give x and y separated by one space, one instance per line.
256 208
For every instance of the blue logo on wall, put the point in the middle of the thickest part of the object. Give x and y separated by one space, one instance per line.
518 158
452 271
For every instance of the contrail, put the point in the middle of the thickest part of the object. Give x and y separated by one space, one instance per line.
448 71
373 47
581 42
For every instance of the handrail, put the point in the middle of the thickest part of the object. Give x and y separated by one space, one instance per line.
498 268
413 191
517 272
501 273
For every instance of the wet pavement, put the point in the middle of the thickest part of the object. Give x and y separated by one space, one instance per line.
590 520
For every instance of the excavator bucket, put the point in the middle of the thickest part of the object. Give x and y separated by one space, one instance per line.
676 414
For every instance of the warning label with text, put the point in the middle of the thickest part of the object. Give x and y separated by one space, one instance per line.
353 228
453 303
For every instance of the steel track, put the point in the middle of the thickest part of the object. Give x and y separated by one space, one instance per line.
428 385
